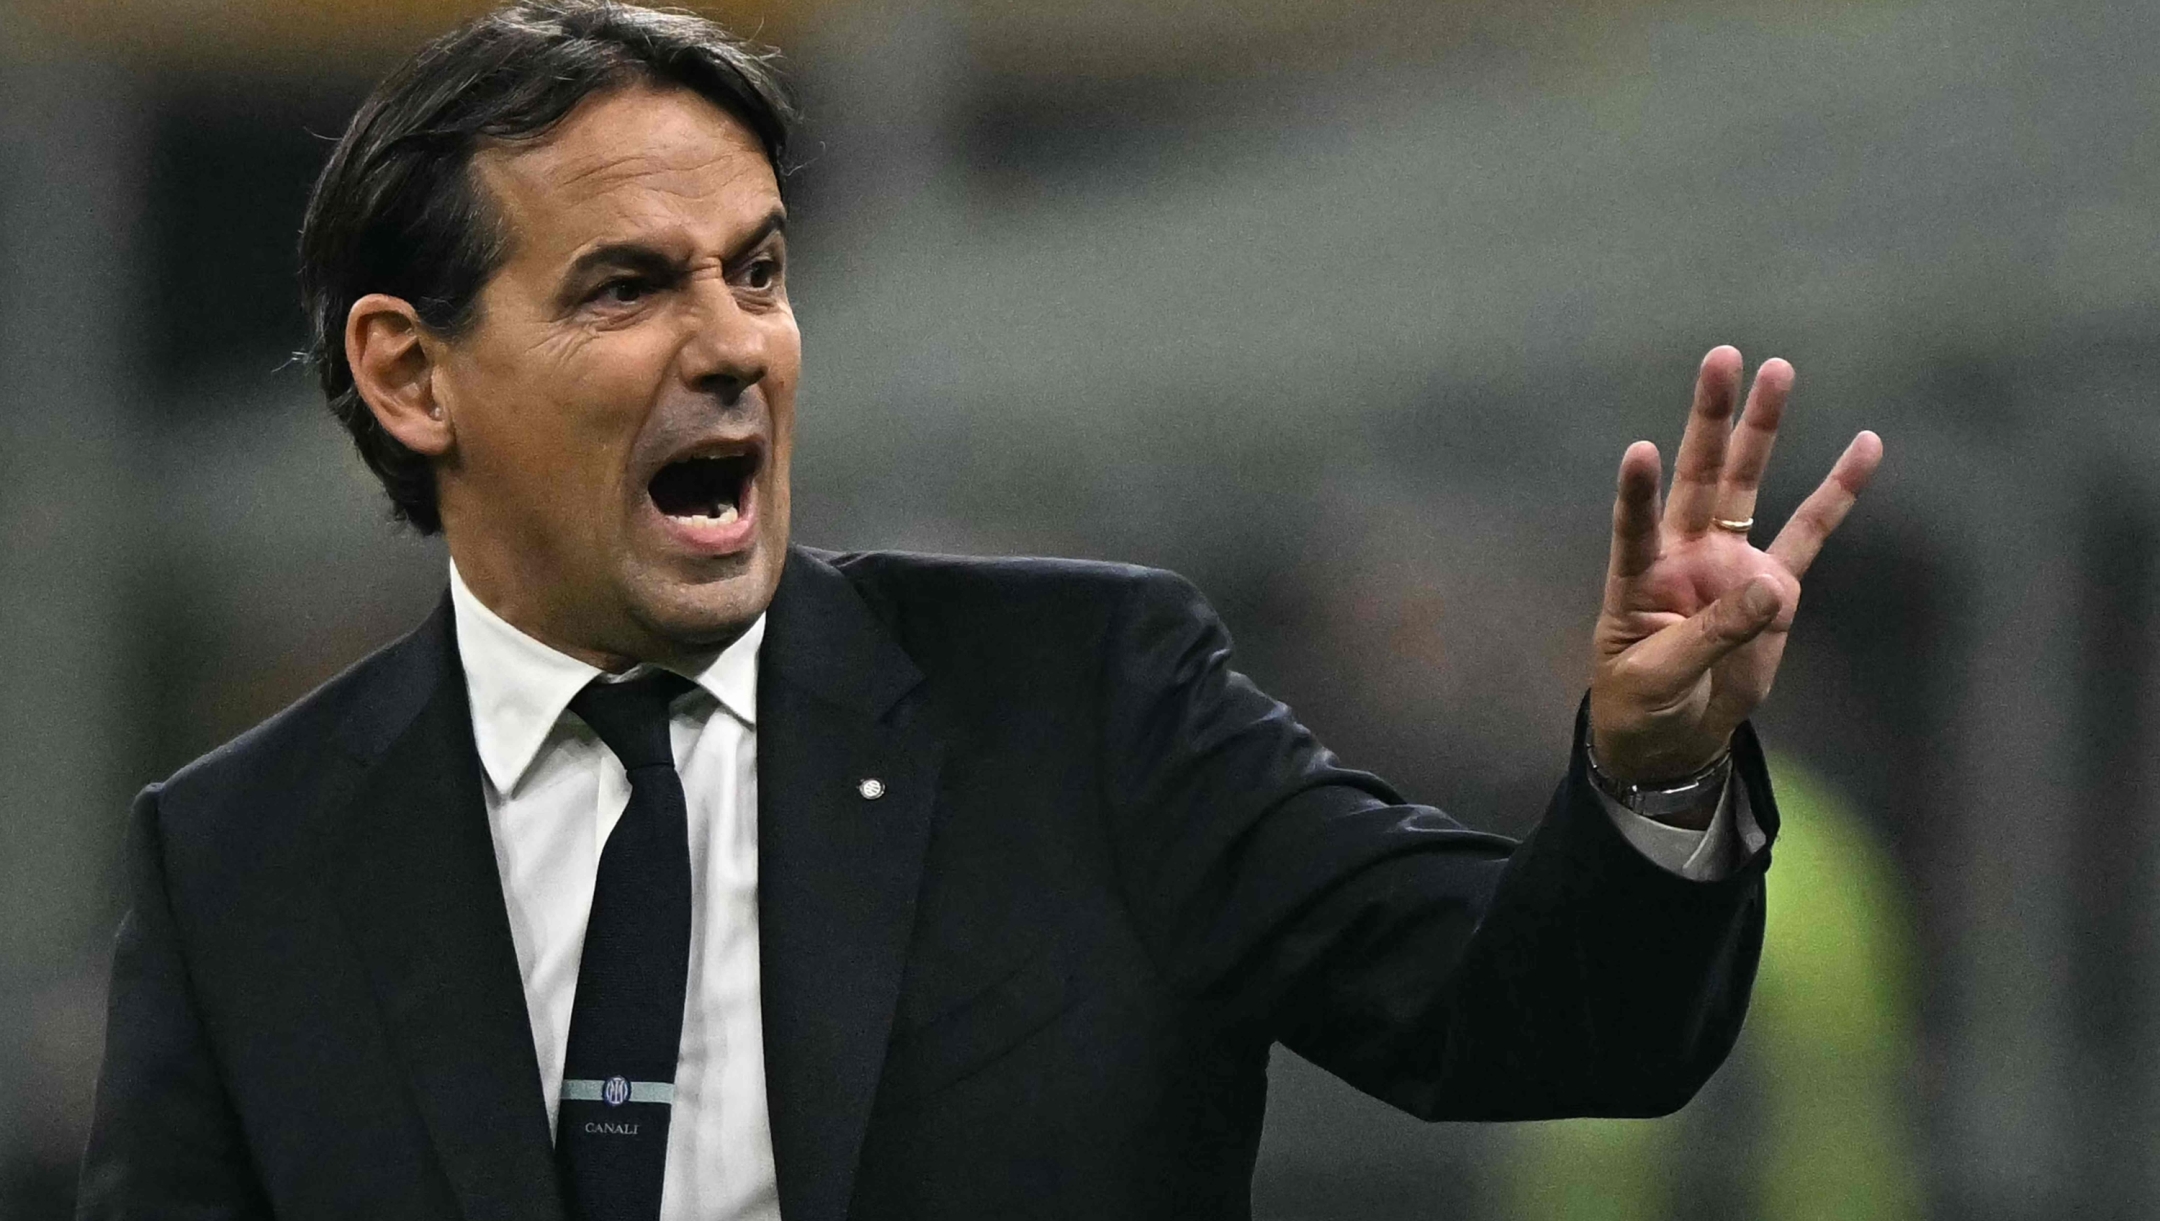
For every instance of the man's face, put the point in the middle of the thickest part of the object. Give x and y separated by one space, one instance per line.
623 410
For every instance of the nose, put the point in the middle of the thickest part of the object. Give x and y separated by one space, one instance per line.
725 351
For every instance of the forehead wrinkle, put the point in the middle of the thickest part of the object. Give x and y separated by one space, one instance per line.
675 181
671 131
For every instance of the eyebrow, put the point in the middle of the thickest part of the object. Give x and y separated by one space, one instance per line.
649 260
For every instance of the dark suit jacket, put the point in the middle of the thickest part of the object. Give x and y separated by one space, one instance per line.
1040 977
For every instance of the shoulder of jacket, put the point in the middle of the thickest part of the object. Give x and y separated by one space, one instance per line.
908 575
309 738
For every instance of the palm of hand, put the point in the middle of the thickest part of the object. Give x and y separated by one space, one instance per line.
1695 617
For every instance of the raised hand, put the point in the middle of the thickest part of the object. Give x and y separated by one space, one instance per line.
1695 616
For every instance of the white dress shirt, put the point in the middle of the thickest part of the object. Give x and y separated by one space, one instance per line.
554 792
1708 855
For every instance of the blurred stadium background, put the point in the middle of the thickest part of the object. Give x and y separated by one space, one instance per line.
1346 311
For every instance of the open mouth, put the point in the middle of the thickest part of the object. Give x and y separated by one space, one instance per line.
705 491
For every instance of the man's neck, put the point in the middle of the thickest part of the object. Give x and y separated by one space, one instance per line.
509 601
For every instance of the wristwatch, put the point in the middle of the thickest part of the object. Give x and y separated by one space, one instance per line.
1661 799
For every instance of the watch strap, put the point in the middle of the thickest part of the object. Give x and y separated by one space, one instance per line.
1661 799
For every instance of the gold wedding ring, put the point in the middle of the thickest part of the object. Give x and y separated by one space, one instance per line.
1737 527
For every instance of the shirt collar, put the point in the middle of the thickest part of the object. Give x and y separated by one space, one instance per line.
519 688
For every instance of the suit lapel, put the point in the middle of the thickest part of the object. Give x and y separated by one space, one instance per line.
839 862
415 875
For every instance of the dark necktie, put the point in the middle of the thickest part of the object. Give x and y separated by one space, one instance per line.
626 1023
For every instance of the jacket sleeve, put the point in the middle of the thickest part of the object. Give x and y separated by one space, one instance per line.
164 1140
1452 973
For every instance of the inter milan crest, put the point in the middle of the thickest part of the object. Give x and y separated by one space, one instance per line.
616 1092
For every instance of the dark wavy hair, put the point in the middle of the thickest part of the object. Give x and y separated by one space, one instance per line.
399 211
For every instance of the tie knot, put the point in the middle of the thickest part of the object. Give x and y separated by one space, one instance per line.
632 717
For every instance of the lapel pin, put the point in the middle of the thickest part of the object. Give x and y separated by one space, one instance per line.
871 788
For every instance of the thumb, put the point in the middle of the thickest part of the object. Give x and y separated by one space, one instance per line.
1682 652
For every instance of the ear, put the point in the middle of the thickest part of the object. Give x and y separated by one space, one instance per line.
393 368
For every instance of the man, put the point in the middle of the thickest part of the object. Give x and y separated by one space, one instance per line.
669 870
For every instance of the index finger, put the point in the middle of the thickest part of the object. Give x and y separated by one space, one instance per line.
1635 516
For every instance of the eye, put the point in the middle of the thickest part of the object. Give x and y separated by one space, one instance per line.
762 273
623 290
